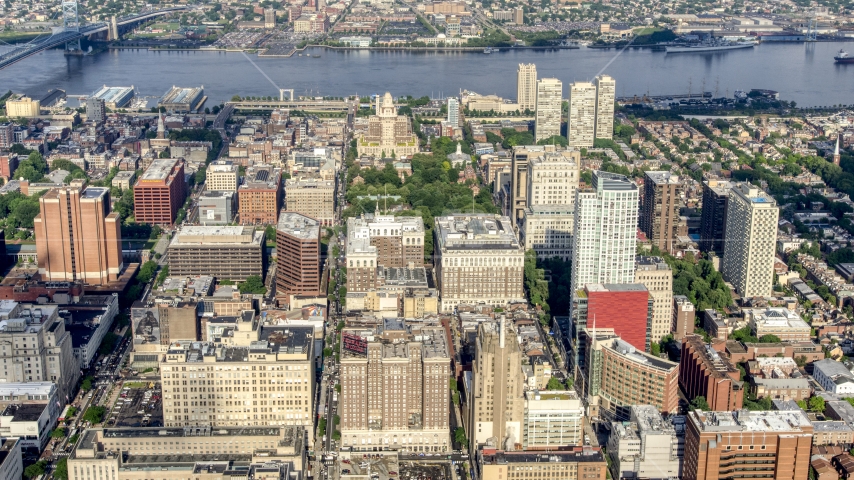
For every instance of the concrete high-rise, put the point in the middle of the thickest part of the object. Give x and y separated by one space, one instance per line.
550 205
648 446
606 92
655 274
95 109
78 238
661 201
526 86
751 238
713 216
605 231
581 121
497 406
394 388
298 255
454 112
160 192
549 109
747 444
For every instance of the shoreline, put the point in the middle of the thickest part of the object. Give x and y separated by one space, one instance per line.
377 48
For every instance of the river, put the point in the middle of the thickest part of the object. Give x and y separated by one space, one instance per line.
801 72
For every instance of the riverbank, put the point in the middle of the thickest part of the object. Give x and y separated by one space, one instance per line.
409 49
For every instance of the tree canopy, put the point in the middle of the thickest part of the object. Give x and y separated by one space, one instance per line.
253 284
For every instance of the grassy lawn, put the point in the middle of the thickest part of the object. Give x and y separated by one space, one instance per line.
166 26
16 37
647 30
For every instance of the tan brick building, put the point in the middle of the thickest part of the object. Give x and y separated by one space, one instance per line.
297 255
747 444
260 196
381 241
394 388
221 175
655 274
311 197
160 192
77 236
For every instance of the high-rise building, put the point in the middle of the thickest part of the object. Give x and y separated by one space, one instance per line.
259 197
388 133
394 388
683 317
275 365
160 192
7 134
655 274
617 376
477 259
553 419
297 255
606 93
96 109
311 197
227 253
605 231
549 108
269 18
24 107
519 176
77 236
550 204
381 241
747 444
713 216
751 240
526 86
704 372
661 201
647 446
454 112
581 122
221 175
497 406
519 16
624 307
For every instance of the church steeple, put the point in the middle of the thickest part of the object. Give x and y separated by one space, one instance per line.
836 156
161 126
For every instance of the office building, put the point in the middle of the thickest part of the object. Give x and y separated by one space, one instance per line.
553 178
259 197
394 388
11 459
581 122
618 376
605 231
123 180
389 134
454 112
713 216
647 446
519 16
78 238
606 93
203 453
655 274
553 419
375 240
661 202
547 230
39 348
683 317
526 87
311 197
28 392
226 253
579 463
22 107
217 207
275 363
549 109
160 192
522 155
477 259
221 175
169 320
96 110
497 403
751 239
297 255
31 422
747 444
703 372
783 323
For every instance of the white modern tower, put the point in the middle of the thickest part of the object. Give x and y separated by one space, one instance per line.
581 122
751 236
526 86
606 91
549 97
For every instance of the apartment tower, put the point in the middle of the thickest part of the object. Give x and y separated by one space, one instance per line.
298 255
526 86
581 122
78 238
713 216
751 238
606 92
661 200
549 98
160 192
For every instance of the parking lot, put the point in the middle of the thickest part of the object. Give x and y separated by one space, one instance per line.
137 406
421 471
375 465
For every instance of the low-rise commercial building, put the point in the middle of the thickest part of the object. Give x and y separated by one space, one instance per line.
576 464
217 207
647 446
232 253
780 322
553 419
834 377
31 422
832 432
11 460
781 388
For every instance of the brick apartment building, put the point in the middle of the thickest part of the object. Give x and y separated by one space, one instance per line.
297 255
705 372
160 192
260 196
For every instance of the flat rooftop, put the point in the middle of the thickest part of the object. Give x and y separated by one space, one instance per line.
628 351
217 234
299 226
28 412
663 178
774 421
160 169
585 454
476 232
